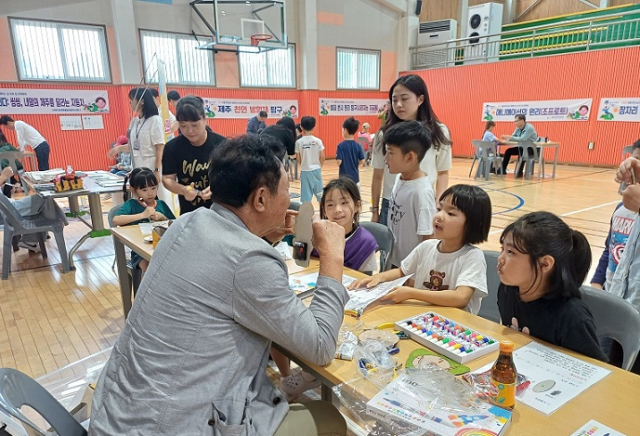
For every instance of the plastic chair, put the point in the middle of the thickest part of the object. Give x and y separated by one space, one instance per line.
528 158
627 151
18 389
487 157
615 318
17 225
384 239
135 273
489 308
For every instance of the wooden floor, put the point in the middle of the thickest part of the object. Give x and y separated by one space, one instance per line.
49 319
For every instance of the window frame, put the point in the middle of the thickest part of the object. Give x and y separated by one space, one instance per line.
70 24
212 63
290 45
364 50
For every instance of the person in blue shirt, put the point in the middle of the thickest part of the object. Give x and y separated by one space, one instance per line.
350 154
488 136
256 124
524 132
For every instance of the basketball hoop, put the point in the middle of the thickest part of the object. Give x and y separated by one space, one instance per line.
260 37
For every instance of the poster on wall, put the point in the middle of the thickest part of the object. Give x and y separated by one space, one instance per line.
70 122
347 107
541 110
619 109
227 108
53 101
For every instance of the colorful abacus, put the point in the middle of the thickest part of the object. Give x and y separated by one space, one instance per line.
447 337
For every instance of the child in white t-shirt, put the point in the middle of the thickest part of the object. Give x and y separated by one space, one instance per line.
310 156
412 203
448 270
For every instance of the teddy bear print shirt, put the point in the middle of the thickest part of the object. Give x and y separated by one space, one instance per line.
436 271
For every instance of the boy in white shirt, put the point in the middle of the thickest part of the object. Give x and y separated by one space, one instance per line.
310 156
412 204
27 135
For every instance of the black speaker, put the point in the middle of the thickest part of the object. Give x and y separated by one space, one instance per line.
418 7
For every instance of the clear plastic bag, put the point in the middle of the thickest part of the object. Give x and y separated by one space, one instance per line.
420 401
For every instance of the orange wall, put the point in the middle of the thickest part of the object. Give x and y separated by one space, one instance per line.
457 95
86 149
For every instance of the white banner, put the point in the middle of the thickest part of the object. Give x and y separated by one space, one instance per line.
542 110
346 107
52 101
226 108
619 109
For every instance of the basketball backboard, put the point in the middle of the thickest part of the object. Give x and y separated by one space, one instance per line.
236 21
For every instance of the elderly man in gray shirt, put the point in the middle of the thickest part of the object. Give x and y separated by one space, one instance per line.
192 356
524 132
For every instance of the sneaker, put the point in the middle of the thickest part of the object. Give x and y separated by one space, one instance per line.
296 384
29 246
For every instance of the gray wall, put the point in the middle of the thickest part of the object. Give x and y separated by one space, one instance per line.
367 25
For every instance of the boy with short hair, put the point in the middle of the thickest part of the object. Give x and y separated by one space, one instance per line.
350 154
310 156
412 204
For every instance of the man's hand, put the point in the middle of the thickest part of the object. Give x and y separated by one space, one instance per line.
328 238
625 170
287 229
631 197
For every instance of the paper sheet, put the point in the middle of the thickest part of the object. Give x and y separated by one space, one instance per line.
361 298
554 377
594 428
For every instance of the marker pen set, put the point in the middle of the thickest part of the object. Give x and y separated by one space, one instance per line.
447 337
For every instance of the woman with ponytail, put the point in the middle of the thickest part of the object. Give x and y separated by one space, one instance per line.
542 266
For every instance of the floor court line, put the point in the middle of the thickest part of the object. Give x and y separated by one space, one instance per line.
590 208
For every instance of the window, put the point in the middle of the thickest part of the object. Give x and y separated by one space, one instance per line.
274 68
358 69
47 50
184 63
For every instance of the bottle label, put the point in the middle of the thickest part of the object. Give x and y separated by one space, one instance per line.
505 395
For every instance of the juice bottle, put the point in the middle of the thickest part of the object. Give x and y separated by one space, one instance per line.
503 377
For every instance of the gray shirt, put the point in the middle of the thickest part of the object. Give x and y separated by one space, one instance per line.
527 133
192 356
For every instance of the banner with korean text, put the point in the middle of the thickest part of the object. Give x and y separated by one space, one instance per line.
619 109
542 110
226 108
52 101
342 107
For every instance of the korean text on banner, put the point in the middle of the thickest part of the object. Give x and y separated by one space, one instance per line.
52 101
346 107
542 110
619 109
227 108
